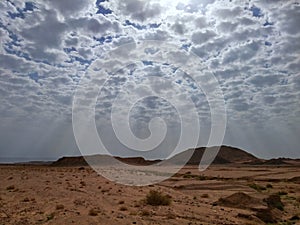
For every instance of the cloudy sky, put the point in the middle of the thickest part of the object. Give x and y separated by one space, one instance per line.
251 47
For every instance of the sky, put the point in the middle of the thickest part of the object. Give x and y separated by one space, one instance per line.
250 47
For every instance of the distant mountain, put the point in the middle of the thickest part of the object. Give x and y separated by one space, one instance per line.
70 161
278 161
100 160
225 155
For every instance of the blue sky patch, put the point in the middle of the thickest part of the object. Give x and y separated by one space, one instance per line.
256 12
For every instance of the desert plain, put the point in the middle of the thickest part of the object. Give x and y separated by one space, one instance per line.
222 194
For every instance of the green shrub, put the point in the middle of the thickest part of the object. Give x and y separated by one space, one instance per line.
201 177
11 187
50 216
269 186
257 187
282 193
187 176
274 201
157 198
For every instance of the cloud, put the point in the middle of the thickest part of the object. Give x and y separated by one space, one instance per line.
70 7
242 53
289 18
252 48
139 10
200 37
260 81
97 26
227 13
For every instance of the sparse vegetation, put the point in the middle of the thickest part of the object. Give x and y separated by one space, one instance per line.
280 193
11 187
59 207
136 205
201 177
190 199
25 200
50 216
123 208
204 196
171 216
133 213
79 202
294 218
156 198
145 213
274 201
282 223
257 187
93 212
266 216
188 176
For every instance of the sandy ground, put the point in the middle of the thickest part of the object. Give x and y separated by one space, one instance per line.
74 195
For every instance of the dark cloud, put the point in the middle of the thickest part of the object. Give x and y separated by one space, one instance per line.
48 33
261 81
291 17
269 99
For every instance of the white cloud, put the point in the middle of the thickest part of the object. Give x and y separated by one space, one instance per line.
44 53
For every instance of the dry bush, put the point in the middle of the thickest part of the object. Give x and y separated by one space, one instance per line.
26 199
274 201
11 187
79 202
59 207
204 196
93 212
156 198
145 213
50 216
123 208
257 187
269 186
282 193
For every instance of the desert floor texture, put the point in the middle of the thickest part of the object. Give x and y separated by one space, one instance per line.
228 194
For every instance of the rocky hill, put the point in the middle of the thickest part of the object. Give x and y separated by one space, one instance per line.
226 155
